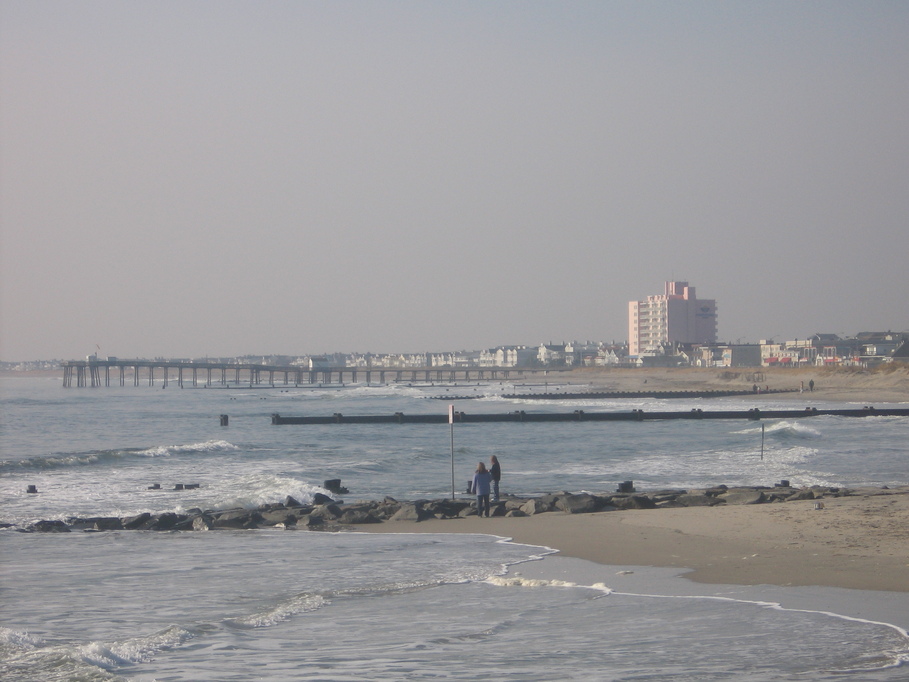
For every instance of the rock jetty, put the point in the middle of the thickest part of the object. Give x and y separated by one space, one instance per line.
326 513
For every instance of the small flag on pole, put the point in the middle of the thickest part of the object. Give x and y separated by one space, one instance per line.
451 414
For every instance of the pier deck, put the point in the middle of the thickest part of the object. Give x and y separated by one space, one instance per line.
97 373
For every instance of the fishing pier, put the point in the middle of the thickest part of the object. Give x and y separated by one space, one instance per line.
98 373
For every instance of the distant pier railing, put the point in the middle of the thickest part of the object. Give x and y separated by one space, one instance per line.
97 373
582 416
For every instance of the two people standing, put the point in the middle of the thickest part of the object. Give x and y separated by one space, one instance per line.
483 480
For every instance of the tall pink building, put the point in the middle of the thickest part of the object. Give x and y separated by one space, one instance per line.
677 316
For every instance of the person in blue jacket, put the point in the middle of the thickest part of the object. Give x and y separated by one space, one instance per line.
481 483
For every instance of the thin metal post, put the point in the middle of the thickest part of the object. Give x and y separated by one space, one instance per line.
451 433
762 442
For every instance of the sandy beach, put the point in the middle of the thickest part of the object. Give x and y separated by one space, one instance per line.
885 383
859 542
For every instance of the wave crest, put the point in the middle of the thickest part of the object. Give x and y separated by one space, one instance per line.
76 459
208 446
301 603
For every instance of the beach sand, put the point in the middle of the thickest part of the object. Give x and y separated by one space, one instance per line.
885 383
859 542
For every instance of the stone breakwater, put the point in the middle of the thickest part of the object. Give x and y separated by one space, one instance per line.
326 513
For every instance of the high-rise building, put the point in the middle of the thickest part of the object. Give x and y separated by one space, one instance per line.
676 316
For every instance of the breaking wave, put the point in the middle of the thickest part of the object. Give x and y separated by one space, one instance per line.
784 429
102 457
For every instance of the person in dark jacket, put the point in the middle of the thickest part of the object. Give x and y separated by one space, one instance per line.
495 470
481 482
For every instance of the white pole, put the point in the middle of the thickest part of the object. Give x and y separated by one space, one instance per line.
451 431
762 442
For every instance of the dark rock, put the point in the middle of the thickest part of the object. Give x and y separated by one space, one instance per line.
743 496
413 512
447 509
515 502
633 502
806 494
697 500
273 518
271 506
778 494
291 502
166 521
108 523
94 523
333 485
320 499
237 518
665 495
535 506
384 511
583 503
357 516
134 522
327 512
550 500
497 509
49 527
300 512
669 504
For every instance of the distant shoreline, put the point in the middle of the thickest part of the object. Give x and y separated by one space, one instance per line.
887 383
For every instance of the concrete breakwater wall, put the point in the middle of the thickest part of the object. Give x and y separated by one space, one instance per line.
581 415
609 395
326 513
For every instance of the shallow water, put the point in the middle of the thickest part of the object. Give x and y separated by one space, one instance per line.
305 605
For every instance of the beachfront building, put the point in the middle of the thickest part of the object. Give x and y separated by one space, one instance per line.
676 316
610 356
508 356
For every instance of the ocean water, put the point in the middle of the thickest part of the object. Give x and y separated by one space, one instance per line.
289 605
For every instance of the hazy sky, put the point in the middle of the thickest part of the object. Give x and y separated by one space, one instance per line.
220 178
